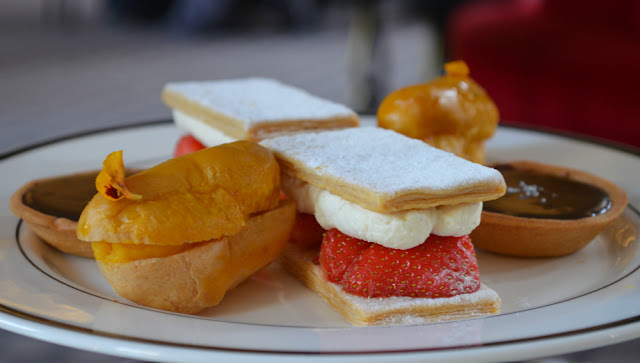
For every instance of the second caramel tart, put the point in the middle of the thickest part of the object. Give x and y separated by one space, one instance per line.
548 211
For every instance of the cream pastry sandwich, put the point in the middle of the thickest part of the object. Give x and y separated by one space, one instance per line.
397 214
221 111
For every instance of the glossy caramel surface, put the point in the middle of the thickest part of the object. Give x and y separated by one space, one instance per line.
451 112
532 194
123 253
192 198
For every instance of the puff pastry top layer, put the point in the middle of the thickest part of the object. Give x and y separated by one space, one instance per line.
256 108
384 171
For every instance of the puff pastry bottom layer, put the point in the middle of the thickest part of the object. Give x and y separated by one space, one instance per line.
386 311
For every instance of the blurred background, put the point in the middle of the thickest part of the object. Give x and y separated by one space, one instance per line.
81 64
68 66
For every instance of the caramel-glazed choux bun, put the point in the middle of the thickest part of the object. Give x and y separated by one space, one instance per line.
451 112
179 235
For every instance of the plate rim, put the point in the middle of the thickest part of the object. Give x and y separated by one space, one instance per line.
155 122
553 345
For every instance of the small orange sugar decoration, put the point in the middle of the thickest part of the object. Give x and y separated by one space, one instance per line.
457 68
110 183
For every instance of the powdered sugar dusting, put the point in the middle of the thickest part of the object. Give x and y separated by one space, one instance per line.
259 100
381 160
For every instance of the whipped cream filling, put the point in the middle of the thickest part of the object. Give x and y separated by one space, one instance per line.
204 133
401 230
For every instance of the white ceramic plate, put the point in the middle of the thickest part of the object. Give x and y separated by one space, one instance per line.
550 306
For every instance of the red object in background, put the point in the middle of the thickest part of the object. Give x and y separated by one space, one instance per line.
187 144
571 65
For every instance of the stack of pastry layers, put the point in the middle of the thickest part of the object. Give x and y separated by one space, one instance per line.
383 171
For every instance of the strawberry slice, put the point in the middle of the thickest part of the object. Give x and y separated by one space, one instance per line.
338 252
187 144
440 267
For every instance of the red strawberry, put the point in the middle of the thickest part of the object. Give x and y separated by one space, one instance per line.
306 231
187 144
338 252
440 267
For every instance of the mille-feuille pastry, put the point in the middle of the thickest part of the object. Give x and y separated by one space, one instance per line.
216 112
398 214
179 235
452 113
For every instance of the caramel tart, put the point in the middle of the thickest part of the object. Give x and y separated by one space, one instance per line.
51 208
547 211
